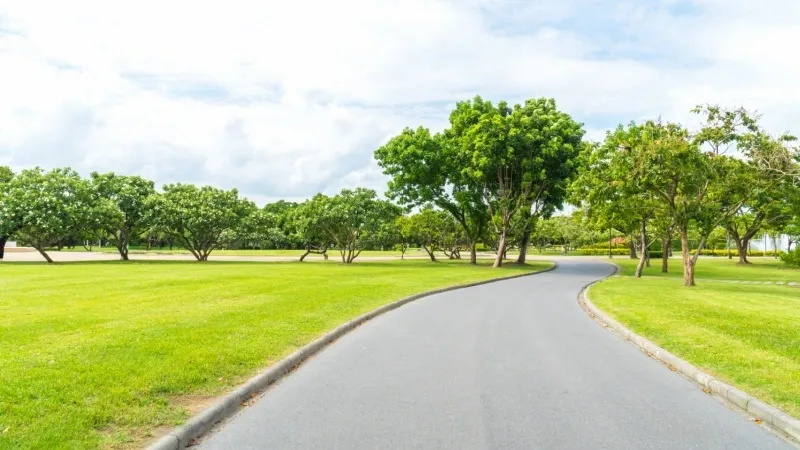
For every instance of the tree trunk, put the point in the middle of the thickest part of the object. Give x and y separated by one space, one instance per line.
688 263
728 239
123 249
632 247
666 243
523 245
742 247
303 256
643 258
430 253
473 253
501 250
44 254
3 240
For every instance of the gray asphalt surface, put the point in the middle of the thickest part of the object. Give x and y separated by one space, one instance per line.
510 365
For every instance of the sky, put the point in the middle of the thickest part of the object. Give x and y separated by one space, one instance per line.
284 99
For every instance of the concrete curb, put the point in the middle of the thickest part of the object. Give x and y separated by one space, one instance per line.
753 406
182 436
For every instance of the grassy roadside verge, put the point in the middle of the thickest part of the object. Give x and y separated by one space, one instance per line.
101 354
747 335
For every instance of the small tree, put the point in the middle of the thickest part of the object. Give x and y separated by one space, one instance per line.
353 219
199 218
129 195
306 226
424 228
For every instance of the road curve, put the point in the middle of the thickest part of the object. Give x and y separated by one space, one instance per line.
508 365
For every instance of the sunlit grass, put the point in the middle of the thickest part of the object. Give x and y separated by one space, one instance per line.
747 335
100 354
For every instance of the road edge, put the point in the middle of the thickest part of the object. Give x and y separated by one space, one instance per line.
768 414
200 423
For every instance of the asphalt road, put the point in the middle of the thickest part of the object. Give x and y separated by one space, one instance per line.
510 365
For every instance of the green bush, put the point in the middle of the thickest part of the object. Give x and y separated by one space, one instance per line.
792 258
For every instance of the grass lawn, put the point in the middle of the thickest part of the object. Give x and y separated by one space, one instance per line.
101 354
716 268
747 335
332 253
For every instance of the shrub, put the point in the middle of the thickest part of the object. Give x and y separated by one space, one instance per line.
792 258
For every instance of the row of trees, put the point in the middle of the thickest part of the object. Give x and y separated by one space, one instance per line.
46 209
494 176
660 181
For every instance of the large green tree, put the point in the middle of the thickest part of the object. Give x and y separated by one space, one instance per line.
694 186
524 157
612 193
760 193
48 207
129 195
200 218
429 169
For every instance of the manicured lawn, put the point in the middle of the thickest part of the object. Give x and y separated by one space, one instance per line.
716 268
101 354
332 253
747 335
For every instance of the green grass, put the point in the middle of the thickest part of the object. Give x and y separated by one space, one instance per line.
747 335
708 268
332 253
100 354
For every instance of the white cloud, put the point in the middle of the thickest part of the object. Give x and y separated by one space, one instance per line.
283 99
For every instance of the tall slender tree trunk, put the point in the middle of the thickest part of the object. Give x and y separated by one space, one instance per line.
643 258
501 250
3 240
473 253
688 263
666 242
730 254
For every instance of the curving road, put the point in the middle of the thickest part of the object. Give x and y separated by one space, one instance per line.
511 365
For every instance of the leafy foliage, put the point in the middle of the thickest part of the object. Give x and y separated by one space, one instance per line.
199 217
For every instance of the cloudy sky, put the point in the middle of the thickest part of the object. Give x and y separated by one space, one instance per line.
283 99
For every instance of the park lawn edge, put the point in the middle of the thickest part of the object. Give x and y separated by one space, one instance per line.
229 404
787 425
